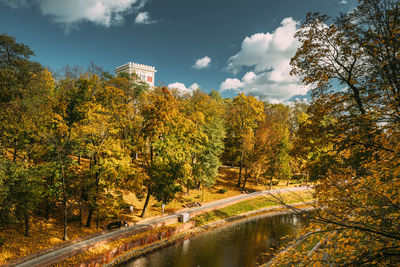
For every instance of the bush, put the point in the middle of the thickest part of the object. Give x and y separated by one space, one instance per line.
156 205
113 215
298 178
2 241
198 196
124 206
222 191
274 182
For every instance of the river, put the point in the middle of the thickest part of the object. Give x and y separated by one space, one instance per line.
241 243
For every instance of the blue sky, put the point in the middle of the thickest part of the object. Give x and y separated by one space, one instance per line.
237 45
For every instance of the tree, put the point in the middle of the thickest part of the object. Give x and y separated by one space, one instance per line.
164 132
25 105
109 161
357 208
273 143
206 137
16 69
244 115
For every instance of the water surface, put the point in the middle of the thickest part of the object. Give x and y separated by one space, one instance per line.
237 244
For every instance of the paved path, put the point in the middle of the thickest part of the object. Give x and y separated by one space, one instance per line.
45 259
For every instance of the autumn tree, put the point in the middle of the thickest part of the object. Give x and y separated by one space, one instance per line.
25 102
357 208
165 144
244 116
100 131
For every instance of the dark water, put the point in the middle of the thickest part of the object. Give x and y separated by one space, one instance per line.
237 244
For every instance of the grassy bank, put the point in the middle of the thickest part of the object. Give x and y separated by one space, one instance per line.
249 205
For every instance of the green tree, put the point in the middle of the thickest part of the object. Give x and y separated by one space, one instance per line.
206 137
244 116
164 132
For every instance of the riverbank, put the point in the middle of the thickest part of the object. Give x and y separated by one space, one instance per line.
130 247
138 252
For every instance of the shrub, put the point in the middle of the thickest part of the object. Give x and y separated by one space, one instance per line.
156 205
124 206
222 191
274 182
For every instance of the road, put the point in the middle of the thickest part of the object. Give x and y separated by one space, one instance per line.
46 259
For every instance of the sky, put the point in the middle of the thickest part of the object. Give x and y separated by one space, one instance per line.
230 46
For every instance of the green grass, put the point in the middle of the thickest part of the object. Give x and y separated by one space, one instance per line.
246 206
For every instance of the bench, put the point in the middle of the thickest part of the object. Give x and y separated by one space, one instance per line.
117 224
192 204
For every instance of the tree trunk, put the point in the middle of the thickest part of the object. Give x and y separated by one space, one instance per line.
146 203
65 236
187 187
97 193
64 201
240 169
93 205
26 219
246 176
97 217
270 183
50 182
47 210
198 186
90 216
80 212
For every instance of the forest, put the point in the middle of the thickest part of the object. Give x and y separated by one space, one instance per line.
72 142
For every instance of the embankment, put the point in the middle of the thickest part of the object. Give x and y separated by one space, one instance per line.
135 252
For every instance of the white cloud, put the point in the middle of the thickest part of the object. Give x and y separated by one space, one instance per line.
268 56
343 2
202 63
72 12
144 18
231 84
182 88
194 86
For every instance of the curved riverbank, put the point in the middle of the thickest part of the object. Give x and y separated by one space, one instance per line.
194 231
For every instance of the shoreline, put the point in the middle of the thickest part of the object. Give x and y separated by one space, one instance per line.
197 230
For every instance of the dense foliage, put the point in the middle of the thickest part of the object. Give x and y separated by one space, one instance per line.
72 146
351 138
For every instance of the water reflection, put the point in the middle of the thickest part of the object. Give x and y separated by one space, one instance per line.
238 244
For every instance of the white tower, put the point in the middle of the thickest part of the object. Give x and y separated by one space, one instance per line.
144 72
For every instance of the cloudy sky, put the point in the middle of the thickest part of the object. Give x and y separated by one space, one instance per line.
227 45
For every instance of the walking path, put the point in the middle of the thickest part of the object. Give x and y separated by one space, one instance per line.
48 258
